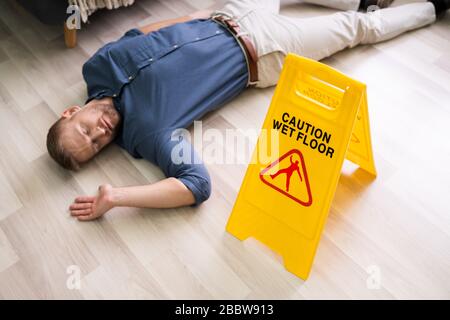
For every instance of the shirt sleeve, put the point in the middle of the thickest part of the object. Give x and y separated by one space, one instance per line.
177 158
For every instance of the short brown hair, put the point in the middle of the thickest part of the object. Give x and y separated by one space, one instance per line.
57 151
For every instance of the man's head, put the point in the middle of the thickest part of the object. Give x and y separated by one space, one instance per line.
81 133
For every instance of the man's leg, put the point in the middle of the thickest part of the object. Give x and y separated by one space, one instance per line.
337 4
323 36
320 37
352 5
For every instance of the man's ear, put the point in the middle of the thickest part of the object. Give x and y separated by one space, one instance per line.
70 111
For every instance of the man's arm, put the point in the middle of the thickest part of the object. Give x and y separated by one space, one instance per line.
187 183
204 14
167 193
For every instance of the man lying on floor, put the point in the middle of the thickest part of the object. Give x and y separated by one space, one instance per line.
164 76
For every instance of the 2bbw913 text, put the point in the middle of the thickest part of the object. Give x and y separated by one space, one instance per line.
246 309
225 309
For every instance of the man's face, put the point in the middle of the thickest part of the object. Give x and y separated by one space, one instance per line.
87 130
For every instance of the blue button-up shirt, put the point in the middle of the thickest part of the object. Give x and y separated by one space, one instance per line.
163 81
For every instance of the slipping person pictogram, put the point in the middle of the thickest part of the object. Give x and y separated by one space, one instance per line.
300 192
288 171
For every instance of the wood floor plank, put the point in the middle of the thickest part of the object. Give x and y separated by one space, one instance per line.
180 7
12 19
16 284
119 274
155 11
7 254
193 249
18 87
53 90
169 270
9 202
4 31
18 134
3 56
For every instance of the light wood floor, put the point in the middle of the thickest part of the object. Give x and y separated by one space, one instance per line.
397 225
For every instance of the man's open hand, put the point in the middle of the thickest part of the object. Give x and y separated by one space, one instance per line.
86 208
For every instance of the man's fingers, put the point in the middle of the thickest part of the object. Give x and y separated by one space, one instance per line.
80 212
80 205
86 218
85 199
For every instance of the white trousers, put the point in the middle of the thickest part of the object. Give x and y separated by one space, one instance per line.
275 35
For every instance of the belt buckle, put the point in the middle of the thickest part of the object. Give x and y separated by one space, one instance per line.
220 18
223 15
223 18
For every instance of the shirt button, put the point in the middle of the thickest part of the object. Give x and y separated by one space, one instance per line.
217 32
175 46
114 95
130 78
197 38
151 59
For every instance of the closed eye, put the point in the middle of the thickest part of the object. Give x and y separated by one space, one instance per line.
94 143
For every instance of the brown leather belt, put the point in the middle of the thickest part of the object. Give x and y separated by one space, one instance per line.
245 42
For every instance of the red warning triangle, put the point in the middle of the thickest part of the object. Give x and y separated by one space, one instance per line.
288 176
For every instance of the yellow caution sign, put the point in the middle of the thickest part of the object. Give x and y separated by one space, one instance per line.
318 116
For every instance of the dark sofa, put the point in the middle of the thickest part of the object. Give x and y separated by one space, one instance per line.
51 12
